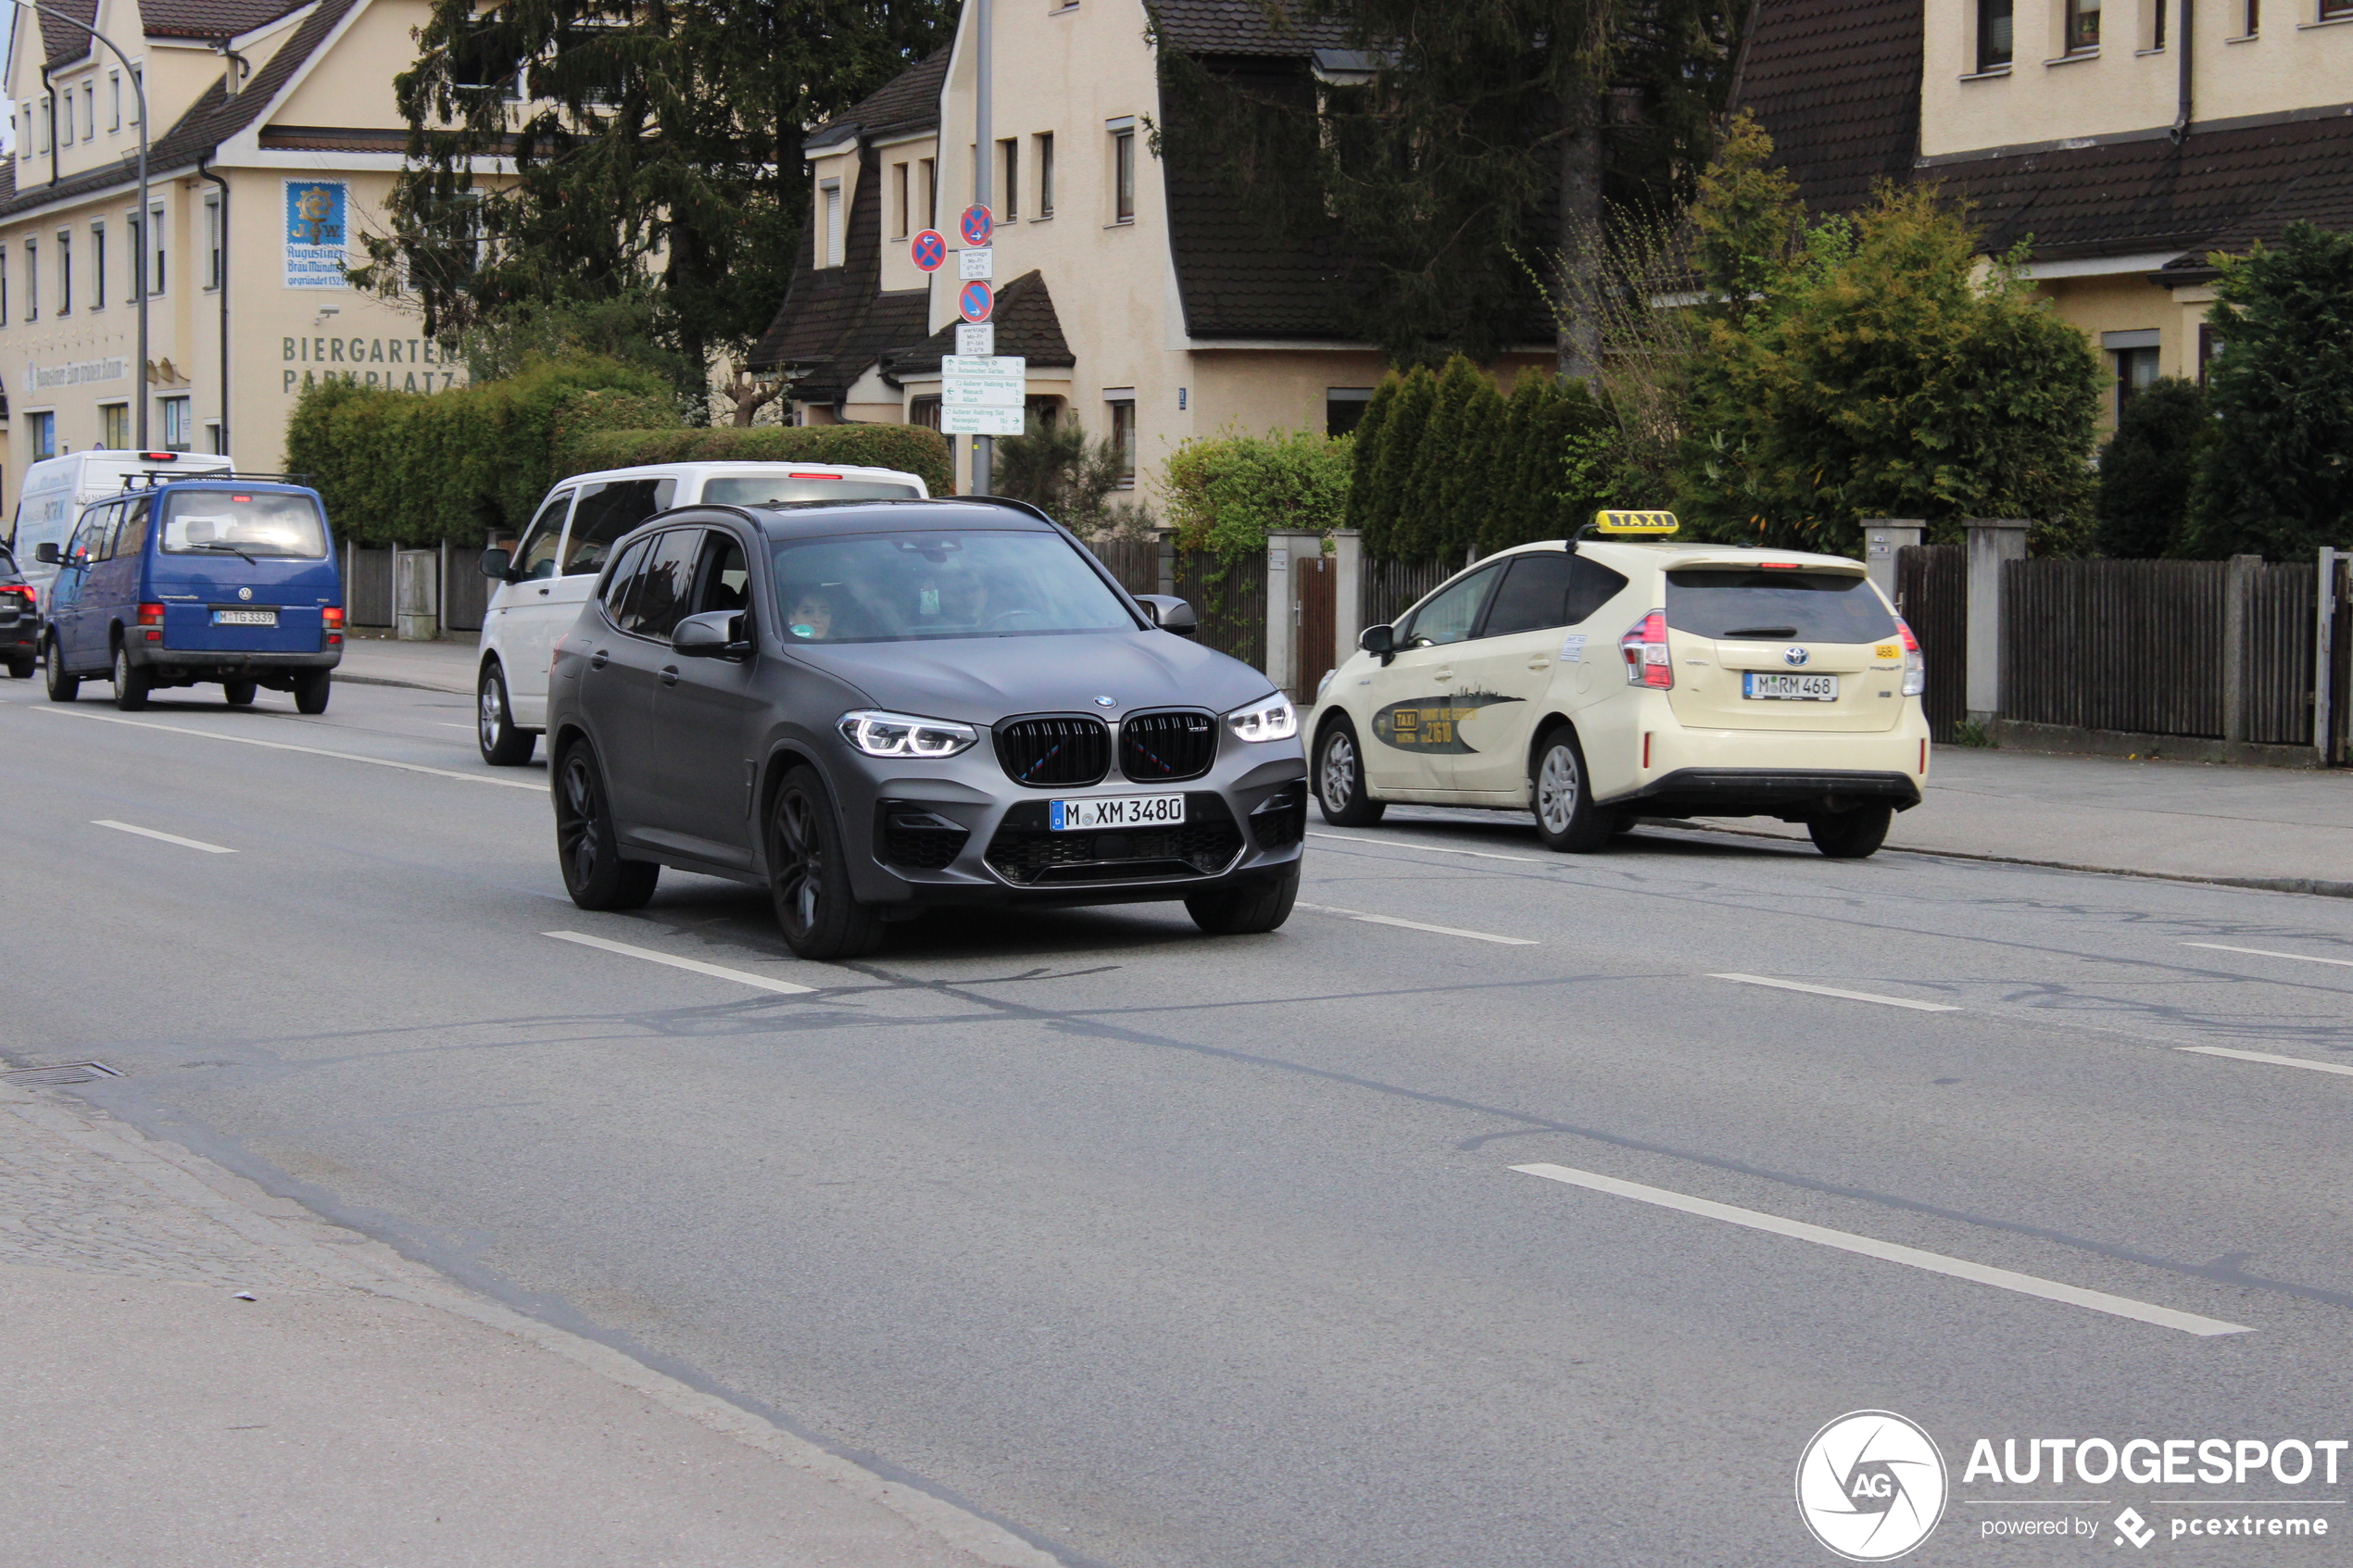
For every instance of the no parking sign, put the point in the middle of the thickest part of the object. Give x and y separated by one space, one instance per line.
975 300
930 250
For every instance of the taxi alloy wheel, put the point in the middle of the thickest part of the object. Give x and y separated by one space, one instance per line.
1566 818
1339 780
586 845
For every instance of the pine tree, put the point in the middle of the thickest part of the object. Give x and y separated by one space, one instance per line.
1421 520
1401 449
1470 486
2148 467
1366 513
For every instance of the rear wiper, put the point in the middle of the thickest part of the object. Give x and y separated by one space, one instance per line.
1760 631
232 550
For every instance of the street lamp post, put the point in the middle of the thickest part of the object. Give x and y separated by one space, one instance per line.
139 259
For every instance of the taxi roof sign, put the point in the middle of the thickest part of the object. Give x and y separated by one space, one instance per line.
1609 520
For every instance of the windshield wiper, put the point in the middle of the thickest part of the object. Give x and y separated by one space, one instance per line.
232 550
1760 631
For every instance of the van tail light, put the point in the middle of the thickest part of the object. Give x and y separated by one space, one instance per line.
1644 647
151 615
1915 663
331 617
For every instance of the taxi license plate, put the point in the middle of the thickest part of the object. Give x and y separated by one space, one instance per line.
1115 811
1788 688
245 618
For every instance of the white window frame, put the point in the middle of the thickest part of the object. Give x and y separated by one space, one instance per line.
212 240
829 248
1041 153
114 90
1121 205
98 265
89 108
176 411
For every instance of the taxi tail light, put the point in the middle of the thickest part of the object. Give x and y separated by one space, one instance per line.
1644 648
331 617
151 615
1915 663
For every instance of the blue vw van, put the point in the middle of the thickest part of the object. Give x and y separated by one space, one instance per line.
209 578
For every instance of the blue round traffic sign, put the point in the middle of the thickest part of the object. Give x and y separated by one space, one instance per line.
974 301
930 250
978 223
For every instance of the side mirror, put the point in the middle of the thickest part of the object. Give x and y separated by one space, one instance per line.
1171 614
713 634
1381 640
495 564
46 553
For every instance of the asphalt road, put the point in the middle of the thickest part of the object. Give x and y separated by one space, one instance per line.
1173 1250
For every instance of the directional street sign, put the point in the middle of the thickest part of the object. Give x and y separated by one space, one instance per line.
982 395
979 262
977 340
980 421
977 224
929 250
975 300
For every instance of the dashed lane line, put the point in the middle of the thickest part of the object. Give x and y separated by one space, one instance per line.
536 788
1893 1252
1834 991
717 971
2268 1059
1420 925
2267 953
166 837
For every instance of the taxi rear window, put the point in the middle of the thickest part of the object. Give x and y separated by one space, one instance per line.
1805 607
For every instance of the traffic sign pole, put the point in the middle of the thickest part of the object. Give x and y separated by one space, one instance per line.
983 447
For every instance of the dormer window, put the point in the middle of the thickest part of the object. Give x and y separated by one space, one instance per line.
828 248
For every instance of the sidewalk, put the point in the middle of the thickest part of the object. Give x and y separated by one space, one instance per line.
198 1374
374 658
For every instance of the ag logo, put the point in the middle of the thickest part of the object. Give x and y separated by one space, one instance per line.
1871 1485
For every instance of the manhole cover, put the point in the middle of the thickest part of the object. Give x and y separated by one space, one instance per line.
64 1072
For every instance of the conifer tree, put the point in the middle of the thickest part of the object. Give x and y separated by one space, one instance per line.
1401 447
1366 513
1421 523
1471 487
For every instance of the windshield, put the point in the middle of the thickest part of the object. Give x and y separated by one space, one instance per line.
230 522
783 489
1807 607
895 587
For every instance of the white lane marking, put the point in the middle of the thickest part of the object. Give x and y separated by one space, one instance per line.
1420 925
2267 953
784 987
167 838
2266 1057
1869 1246
1432 848
282 746
1834 991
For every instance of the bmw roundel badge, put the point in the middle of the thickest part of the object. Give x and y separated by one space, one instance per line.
1794 656
1106 702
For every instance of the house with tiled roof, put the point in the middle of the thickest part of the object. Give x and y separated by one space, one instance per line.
2124 142
1150 306
273 141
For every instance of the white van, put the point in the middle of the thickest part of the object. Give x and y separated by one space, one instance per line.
55 489
545 579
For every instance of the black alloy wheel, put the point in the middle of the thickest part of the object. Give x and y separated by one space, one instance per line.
1247 907
586 844
502 745
808 874
130 686
1853 834
239 693
1559 790
1339 778
62 686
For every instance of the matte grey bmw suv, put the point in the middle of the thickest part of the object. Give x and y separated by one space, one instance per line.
877 707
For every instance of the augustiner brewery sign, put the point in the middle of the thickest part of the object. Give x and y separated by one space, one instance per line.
398 364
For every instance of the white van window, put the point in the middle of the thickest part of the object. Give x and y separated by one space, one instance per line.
536 557
781 490
606 512
220 521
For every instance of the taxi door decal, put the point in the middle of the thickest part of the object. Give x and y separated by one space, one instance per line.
1433 723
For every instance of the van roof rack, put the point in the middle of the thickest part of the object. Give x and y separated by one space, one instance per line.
150 479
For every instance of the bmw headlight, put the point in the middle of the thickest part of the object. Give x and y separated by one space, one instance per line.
903 734
1270 718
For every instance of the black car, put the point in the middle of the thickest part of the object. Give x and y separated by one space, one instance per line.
875 708
19 620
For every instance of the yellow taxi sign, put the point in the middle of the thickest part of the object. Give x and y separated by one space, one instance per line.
1609 520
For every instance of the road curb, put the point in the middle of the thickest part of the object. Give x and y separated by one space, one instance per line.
406 685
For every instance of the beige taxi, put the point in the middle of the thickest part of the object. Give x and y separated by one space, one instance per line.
1623 674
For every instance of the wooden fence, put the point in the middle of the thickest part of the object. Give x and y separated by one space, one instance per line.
1387 589
1931 593
1136 562
1230 600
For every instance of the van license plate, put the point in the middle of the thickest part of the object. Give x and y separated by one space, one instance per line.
1788 688
1116 811
245 618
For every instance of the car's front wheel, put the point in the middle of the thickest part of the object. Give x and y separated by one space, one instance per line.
63 687
503 746
809 874
131 685
587 843
1246 907
1853 834
1340 779
1562 794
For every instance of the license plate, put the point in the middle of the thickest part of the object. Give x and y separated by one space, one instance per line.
1788 688
245 618
1115 811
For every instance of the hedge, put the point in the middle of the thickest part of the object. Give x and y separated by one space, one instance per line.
1227 492
910 448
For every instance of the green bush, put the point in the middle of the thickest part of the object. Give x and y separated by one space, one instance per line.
1225 494
2278 479
910 448
2146 469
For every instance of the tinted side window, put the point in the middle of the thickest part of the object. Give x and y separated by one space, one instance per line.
1807 607
90 535
1534 596
664 585
623 579
1448 615
606 512
1590 586
726 577
536 557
